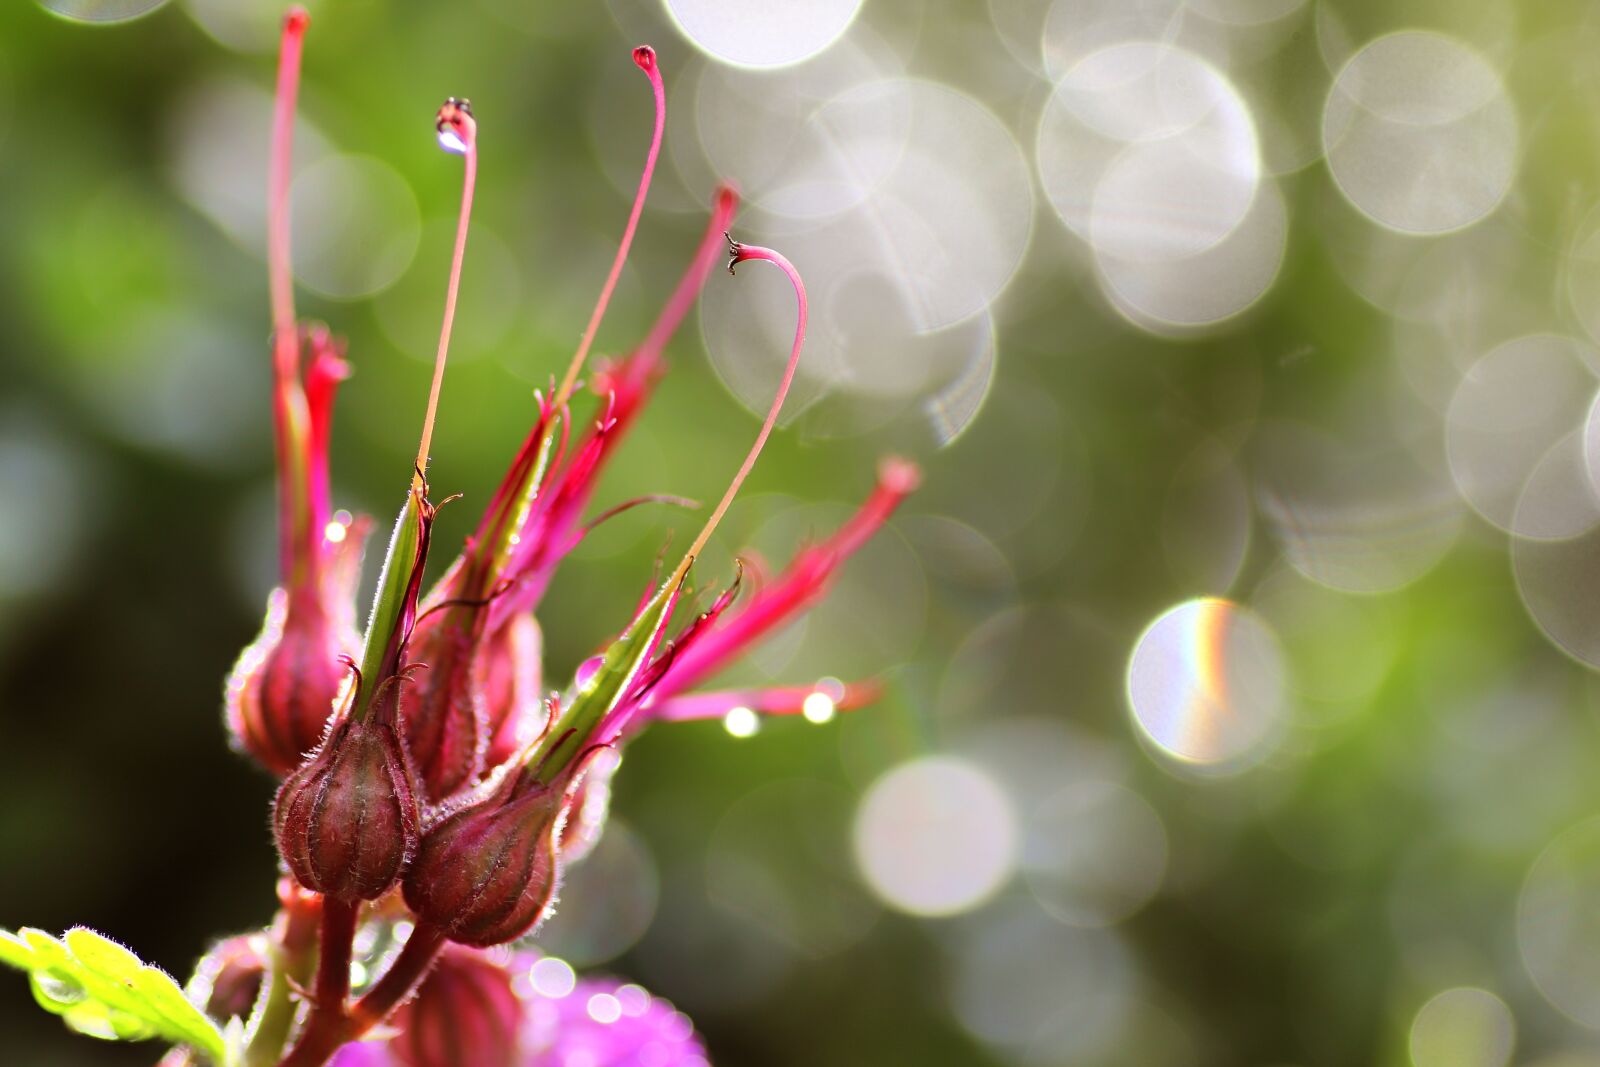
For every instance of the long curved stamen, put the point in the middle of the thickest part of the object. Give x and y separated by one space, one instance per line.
645 57
298 538
458 133
739 253
279 271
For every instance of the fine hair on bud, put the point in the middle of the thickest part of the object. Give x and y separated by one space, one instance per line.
346 822
487 874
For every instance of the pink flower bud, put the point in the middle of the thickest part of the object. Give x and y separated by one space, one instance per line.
465 1013
512 669
235 969
282 691
488 873
347 822
443 708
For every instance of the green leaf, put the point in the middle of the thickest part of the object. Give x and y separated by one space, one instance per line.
101 989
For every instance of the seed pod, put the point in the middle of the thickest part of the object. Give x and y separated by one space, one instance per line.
465 1013
488 873
346 822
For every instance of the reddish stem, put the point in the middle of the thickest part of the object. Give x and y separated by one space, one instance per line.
645 57
327 1021
333 960
400 980
323 1036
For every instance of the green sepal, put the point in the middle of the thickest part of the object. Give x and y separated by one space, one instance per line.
509 518
587 705
389 601
101 989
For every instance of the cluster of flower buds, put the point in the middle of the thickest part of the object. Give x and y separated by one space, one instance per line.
427 756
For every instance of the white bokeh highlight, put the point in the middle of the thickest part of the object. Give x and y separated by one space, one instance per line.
1207 686
1420 133
772 33
1150 156
936 836
1558 923
1463 1027
101 10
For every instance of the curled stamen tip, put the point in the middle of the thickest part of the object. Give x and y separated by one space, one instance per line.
735 250
455 125
645 57
295 20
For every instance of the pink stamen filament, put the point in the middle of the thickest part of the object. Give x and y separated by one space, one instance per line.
785 700
800 585
725 201
741 253
280 276
466 130
299 543
645 57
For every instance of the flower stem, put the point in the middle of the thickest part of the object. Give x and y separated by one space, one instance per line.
328 1018
400 980
333 963
294 937
325 1033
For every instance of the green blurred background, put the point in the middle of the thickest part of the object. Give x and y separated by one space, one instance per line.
1287 302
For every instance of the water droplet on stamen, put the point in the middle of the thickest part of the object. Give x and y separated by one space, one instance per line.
452 116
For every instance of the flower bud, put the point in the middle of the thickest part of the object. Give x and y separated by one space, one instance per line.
233 971
465 1013
346 822
282 691
511 674
488 873
443 709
